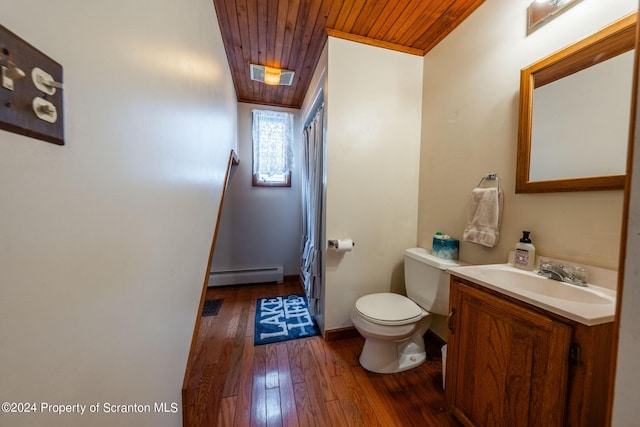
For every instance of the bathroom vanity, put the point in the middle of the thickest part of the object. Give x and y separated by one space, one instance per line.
527 351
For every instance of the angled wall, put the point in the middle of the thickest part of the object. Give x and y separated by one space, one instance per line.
104 241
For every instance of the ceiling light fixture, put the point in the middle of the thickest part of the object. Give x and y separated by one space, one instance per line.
271 76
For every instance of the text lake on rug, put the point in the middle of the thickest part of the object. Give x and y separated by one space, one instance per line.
283 318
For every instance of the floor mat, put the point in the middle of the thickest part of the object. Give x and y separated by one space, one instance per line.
212 307
283 318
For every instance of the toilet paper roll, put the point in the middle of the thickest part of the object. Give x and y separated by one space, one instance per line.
344 245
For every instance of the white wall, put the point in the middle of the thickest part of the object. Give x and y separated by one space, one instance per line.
260 226
373 143
104 241
470 122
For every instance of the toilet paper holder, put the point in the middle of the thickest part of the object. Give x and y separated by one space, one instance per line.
333 244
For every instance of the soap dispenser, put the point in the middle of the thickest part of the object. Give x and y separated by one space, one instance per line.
525 253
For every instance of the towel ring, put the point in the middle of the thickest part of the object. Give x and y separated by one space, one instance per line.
490 177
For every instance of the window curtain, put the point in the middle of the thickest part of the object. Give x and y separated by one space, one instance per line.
312 173
272 142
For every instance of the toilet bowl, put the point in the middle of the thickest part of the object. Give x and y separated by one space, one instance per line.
394 325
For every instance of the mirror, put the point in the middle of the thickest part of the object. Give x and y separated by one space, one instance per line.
574 114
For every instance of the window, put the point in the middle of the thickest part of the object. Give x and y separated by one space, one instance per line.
272 148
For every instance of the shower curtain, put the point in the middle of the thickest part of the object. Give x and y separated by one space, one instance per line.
312 173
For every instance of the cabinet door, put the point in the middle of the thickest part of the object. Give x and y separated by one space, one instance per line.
507 365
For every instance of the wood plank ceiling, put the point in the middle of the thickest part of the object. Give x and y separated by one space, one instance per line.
290 34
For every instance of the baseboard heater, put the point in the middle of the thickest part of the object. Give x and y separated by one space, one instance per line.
246 276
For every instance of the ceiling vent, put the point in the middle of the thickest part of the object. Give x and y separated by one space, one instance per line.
271 76
286 77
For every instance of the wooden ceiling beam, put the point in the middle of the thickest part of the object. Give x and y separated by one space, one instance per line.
374 42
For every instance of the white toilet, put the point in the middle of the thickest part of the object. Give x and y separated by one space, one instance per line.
393 325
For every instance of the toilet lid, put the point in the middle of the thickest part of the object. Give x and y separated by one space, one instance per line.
388 308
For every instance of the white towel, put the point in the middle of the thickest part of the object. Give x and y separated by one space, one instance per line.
485 217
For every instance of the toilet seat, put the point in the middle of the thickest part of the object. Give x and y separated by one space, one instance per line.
389 309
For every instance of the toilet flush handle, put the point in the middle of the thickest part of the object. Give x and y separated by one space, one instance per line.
450 320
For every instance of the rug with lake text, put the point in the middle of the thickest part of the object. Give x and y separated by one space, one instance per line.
283 318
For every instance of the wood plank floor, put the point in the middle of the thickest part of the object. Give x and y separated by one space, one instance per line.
305 382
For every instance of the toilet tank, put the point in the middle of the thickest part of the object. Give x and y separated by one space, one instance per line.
426 280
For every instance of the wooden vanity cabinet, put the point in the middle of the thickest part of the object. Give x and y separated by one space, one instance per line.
512 364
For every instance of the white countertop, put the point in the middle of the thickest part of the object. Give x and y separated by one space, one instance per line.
591 305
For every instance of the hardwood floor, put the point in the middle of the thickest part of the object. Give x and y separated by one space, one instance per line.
304 382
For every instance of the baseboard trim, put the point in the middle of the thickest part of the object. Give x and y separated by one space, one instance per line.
341 333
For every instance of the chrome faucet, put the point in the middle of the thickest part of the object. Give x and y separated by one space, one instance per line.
573 275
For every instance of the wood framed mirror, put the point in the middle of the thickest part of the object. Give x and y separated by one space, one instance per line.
574 114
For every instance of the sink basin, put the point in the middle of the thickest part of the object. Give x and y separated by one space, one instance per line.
591 305
531 282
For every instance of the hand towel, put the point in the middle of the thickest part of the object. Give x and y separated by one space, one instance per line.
485 217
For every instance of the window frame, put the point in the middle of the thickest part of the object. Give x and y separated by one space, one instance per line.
257 182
